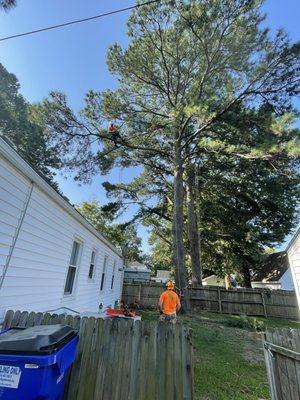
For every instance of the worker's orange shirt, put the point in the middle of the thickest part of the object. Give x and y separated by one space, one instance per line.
169 301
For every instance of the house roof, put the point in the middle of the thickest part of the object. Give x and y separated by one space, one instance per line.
273 268
136 266
212 277
209 277
13 158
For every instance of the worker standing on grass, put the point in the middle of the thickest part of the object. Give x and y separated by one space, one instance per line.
169 304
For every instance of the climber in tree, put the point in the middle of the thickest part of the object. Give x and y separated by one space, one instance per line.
113 131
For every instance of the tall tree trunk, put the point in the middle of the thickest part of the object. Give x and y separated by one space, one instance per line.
178 246
246 274
193 229
227 282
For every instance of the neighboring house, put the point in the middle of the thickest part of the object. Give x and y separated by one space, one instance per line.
50 256
293 251
162 276
213 280
275 273
137 272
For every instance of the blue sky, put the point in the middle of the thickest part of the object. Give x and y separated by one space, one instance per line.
72 59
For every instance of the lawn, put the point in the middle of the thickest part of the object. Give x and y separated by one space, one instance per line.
228 356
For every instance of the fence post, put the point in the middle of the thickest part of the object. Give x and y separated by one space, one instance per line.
219 300
270 366
264 303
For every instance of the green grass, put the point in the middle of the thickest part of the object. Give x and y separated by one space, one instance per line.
229 361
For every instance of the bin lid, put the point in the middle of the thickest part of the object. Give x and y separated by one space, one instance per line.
40 339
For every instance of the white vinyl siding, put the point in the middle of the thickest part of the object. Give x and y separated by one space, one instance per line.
294 261
13 193
40 261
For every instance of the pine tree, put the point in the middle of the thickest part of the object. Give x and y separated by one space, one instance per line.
7 4
187 66
20 125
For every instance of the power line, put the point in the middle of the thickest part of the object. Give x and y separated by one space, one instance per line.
78 21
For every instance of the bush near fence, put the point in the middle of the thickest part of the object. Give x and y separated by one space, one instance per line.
255 302
122 359
282 355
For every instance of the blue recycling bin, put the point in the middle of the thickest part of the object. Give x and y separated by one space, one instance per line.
34 362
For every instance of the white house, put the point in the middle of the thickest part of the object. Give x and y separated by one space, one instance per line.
162 276
137 272
213 280
50 256
293 251
275 273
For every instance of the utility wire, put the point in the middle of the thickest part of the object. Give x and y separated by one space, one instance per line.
78 21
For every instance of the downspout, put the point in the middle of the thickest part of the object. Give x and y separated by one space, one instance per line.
15 238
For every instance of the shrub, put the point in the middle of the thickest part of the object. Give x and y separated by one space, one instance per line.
245 322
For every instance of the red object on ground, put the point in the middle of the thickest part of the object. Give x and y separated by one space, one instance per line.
110 312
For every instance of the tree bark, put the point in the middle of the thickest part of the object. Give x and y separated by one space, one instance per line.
246 274
178 245
193 229
227 282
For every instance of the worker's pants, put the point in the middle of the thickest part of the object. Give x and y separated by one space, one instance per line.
115 138
172 318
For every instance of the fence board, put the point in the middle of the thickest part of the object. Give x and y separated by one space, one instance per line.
122 359
282 354
256 302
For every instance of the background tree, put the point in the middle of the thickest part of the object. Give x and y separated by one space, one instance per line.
187 66
123 236
20 124
7 4
161 252
249 184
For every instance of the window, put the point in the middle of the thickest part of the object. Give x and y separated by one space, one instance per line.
113 276
72 268
103 273
92 265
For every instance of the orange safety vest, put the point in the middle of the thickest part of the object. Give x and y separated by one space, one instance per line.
169 300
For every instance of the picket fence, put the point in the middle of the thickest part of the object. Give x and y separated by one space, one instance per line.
282 355
255 302
122 359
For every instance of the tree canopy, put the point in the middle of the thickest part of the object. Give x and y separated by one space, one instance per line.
7 4
20 124
192 72
123 236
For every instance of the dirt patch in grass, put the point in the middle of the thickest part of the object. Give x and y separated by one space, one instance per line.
253 350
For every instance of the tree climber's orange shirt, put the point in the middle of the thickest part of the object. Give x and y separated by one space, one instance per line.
112 129
169 301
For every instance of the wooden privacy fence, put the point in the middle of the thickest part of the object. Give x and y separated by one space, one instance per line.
122 359
256 302
282 355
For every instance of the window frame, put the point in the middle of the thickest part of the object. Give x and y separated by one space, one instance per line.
103 273
91 278
73 266
112 282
